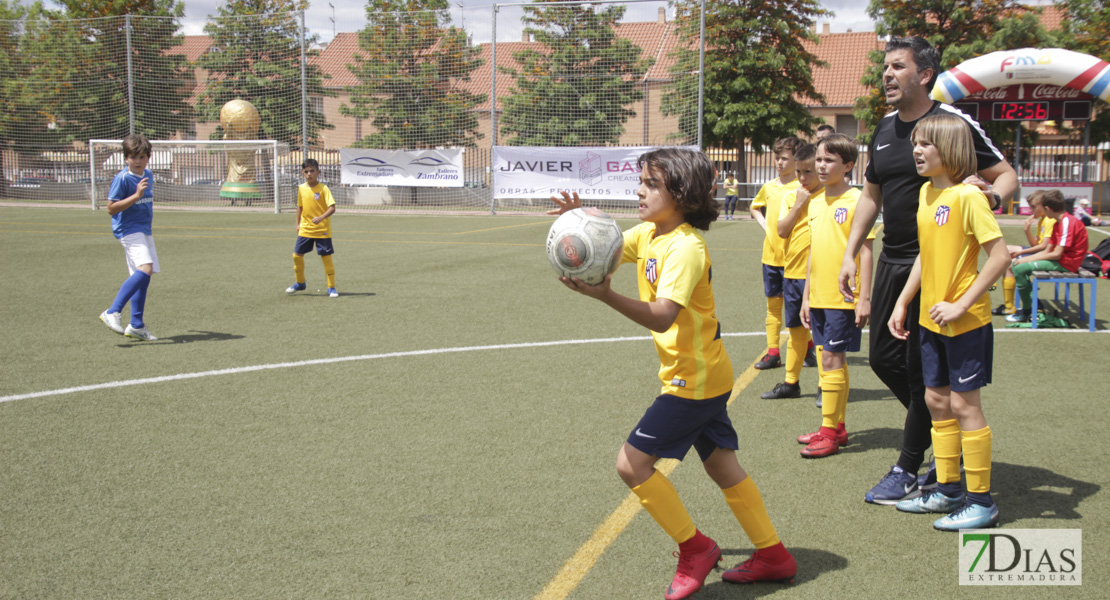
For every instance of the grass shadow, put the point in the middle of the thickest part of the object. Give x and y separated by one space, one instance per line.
866 440
194 336
1024 492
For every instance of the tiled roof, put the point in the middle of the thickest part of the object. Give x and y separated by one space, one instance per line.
846 55
192 47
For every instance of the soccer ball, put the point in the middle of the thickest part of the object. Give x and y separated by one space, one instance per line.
585 243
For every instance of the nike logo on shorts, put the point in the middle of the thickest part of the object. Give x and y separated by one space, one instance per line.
967 379
834 342
644 435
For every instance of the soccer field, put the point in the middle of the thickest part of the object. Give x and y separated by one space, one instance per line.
448 426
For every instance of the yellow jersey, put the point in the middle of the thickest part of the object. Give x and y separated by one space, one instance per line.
797 244
952 225
770 197
1044 229
693 363
313 201
830 222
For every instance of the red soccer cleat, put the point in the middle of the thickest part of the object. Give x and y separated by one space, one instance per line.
821 446
809 438
761 568
692 571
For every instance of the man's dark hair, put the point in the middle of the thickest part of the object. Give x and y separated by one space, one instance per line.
925 56
826 127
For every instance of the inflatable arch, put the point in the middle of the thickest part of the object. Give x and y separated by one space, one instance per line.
1056 66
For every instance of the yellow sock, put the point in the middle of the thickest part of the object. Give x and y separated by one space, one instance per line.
844 405
661 501
1009 284
774 322
977 460
747 504
946 450
298 267
834 394
796 353
329 270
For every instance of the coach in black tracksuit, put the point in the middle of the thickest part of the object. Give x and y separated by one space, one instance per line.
910 68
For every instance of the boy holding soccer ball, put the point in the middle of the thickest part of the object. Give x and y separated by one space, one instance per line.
676 303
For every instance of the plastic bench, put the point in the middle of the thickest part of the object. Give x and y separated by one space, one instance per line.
1065 278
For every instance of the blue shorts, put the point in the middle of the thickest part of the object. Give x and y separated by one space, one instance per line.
792 291
304 246
962 362
772 281
672 424
835 329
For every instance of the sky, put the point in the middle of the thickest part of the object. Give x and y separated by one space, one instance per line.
326 16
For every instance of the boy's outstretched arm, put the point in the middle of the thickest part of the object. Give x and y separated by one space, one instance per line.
657 316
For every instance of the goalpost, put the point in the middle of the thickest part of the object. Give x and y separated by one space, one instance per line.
205 173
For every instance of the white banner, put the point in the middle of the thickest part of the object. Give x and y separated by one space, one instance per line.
540 172
417 168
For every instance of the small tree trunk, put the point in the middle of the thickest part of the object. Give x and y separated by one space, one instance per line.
741 164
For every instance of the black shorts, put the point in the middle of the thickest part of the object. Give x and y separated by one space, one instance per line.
304 246
672 424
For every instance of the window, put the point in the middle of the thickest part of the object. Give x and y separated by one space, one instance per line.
848 125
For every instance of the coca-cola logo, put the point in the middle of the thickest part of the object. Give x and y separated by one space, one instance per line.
999 93
1055 92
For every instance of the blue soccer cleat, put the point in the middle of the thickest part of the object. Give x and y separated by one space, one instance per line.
332 293
970 516
296 287
895 486
932 502
928 481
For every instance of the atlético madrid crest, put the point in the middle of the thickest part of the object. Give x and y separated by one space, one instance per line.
942 215
840 215
650 271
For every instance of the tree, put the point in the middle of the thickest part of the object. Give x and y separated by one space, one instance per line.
576 90
1085 30
161 80
408 72
757 73
256 56
959 29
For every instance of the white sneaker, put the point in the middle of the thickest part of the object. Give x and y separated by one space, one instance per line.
112 320
140 334
333 293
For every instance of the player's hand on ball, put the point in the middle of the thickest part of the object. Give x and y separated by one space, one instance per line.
566 203
593 291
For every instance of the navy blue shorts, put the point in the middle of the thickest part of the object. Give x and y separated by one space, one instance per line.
672 424
792 292
772 281
962 362
304 246
835 329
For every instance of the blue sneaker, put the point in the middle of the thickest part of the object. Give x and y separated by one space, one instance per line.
895 486
933 502
296 287
332 293
970 516
1019 317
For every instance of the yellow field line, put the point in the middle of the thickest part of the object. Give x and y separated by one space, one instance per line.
575 569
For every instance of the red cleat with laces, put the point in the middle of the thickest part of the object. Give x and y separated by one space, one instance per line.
774 564
693 567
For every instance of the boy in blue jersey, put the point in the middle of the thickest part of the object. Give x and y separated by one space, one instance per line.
676 303
131 205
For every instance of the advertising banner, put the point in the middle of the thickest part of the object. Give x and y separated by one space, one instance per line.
417 168
596 173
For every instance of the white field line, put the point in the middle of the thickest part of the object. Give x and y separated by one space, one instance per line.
363 357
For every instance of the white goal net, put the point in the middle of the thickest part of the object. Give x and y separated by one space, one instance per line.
205 173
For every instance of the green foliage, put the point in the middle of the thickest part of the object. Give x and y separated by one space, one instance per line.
408 69
577 90
256 56
757 72
1085 30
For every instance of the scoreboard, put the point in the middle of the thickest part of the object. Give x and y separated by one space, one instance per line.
1028 102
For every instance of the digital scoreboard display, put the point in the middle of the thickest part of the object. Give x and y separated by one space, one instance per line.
1019 111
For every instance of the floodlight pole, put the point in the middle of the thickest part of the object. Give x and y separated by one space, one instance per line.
130 76
492 109
304 96
701 75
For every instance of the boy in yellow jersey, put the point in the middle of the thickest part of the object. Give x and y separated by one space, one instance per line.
835 320
315 206
1038 228
766 209
954 221
732 195
793 227
676 303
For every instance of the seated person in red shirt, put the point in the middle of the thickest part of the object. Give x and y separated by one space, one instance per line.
1065 252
